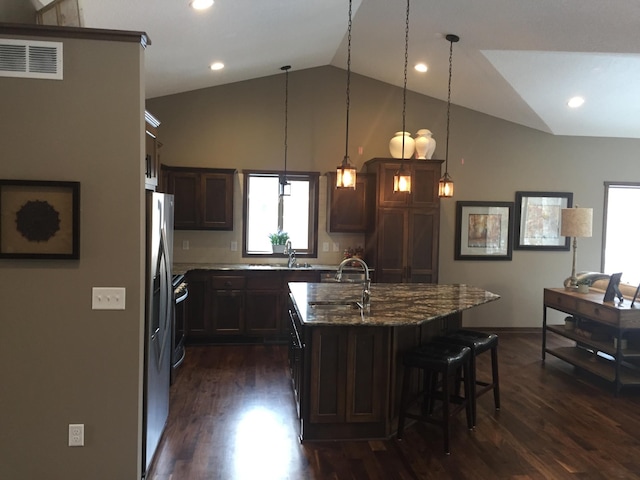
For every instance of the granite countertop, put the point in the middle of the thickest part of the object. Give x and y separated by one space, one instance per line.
185 267
392 304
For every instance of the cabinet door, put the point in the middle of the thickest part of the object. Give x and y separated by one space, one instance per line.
217 201
422 248
424 184
386 196
227 312
391 255
196 317
262 312
185 186
348 209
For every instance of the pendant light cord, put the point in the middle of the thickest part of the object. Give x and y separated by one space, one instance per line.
404 90
452 38
346 146
286 114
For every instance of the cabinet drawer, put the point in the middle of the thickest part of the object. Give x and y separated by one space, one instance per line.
560 302
264 281
227 282
598 313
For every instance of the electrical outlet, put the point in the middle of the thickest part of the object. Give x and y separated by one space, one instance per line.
325 246
234 246
336 247
76 434
108 298
185 244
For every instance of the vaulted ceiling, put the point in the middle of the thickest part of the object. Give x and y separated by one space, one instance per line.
517 60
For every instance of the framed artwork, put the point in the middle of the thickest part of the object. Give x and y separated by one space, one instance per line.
538 220
39 219
483 230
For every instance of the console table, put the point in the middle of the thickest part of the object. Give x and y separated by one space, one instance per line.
599 356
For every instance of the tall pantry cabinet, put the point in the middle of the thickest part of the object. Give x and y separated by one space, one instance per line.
402 243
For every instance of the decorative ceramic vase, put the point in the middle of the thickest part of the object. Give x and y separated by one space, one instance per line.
395 145
425 144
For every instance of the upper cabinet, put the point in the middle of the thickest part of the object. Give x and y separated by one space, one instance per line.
402 242
203 197
152 151
348 210
424 182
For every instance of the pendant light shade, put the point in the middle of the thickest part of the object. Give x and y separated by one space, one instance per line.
285 186
346 173
445 185
402 178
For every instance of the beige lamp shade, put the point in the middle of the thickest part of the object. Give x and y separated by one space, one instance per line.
576 222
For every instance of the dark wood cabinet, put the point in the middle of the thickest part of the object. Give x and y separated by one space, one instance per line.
348 210
196 309
203 197
227 305
250 306
152 152
263 311
402 244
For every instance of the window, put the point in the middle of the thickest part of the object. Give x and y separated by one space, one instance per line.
265 212
620 246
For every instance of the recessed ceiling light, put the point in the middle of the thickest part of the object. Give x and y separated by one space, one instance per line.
200 4
575 102
421 67
216 66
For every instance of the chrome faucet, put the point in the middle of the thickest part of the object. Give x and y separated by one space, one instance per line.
292 254
366 287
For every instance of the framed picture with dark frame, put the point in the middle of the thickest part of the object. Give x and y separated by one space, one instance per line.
39 219
537 220
613 289
484 230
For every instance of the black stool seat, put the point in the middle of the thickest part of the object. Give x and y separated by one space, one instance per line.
436 355
478 342
437 360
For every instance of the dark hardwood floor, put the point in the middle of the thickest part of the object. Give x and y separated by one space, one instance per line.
232 417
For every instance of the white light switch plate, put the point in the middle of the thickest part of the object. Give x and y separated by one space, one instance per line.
108 298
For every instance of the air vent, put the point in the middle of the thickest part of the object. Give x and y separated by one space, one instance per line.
30 59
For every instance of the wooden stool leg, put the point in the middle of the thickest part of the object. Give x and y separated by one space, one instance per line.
469 400
495 377
471 386
404 400
446 426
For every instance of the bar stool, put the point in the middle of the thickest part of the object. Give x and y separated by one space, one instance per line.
478 342
435 360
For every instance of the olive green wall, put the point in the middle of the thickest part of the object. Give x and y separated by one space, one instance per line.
241 125
60 361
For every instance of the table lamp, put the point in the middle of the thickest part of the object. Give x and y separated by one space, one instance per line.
576 222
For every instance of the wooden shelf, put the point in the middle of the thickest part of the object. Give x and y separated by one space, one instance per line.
596 364
606 347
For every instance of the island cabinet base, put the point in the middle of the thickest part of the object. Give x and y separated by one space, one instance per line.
352 378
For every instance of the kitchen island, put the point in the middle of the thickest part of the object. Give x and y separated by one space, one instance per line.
346 361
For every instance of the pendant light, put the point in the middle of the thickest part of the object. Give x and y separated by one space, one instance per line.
402 178
346 173
285 186
445 185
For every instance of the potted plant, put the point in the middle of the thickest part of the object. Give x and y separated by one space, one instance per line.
583 286
278 241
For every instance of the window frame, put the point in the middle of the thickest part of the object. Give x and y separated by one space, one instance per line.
607 186
314 204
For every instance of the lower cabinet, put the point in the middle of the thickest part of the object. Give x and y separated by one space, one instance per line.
343 383
248 306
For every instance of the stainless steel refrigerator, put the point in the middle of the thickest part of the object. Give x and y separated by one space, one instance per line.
158 322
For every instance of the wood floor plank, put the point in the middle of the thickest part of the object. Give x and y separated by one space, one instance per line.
232 417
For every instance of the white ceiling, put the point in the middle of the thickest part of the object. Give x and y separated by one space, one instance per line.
517 60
